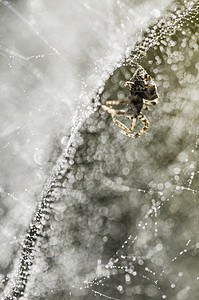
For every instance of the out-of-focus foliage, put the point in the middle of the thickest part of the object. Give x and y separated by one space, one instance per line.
120 217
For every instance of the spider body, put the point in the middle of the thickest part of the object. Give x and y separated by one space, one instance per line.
142 92
135 104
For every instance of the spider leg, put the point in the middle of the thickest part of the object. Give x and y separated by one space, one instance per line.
134 120
129 83
145 107
152 102
146 123
114 112
124 128
120 124
116 102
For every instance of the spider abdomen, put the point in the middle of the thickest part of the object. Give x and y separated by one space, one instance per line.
135 105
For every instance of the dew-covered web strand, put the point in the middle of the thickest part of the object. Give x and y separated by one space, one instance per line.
157 33
152 212
114 262
29 245
103 295
44 40
15 54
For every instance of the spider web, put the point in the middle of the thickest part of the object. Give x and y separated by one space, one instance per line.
105 188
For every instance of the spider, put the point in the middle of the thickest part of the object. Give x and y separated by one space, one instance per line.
142 87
